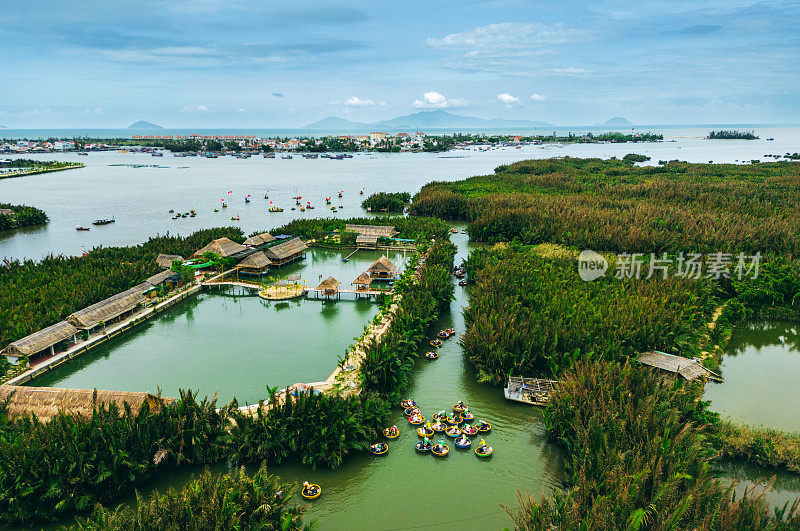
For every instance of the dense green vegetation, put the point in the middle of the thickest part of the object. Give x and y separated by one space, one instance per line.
210 501
34 295
424 292
31 164
611 205
387 201
638 459
724 134
24 216
413 228
532 315
765 447
70 464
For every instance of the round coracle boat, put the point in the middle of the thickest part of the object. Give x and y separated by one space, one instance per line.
391 433
453 431
379 449
416 420
311 491
423 447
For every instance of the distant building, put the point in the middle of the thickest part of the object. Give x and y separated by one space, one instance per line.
378 136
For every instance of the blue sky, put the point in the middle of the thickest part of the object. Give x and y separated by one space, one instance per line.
209 63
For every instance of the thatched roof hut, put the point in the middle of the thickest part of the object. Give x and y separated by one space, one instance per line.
690 369
294 277
379 231
257 263
259 239
363 281
41 340
286 251
160 278
165 260
366 241
329 286
224 247
382 268
109 308
45 402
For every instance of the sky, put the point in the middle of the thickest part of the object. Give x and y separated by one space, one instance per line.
242 64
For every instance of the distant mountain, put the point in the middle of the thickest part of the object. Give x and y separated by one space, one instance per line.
3 127
617 120
425 120
334 122
141 124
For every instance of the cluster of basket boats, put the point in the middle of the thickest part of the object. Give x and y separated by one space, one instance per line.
436 343
457 425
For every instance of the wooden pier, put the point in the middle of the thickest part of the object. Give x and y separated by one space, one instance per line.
533 391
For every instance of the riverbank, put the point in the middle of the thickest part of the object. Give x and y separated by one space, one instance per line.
34 171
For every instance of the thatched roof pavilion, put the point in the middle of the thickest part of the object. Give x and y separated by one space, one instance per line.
690 369
329 286
224 247
109 308
382 268
46 402
287 251
165 260
41 340
255 264
294 277
367 241
259 239
378 231
363 281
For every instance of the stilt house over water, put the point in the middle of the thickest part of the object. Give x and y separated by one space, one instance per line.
259 241
382 269
287 252
257 264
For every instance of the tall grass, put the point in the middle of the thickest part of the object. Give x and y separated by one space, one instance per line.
638 459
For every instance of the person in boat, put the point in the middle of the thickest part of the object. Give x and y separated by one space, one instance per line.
393 430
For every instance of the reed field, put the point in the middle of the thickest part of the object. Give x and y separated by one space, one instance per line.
615 205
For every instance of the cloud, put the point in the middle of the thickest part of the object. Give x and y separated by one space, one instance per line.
202 108
537 97
507 98
508 36
436 100
354 101
199 108
570 70
279 94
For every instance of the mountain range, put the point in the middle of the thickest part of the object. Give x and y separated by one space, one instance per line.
141 124
423 120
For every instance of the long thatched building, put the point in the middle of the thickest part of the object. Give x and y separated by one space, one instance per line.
224 247
256 264
377 231
44 340
287 252
46 402
260 240
110 308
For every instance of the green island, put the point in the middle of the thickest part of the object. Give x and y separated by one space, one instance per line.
639 445
22 167
387 202
724 134
17 216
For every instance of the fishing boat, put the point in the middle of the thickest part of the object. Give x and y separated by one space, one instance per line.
81 227
246 199
379 449
432 355
407 402
103 221
469 431
157 154
216 210
440 449
286 157
460 407
275 209
453 431
423 447
483 426
311 491
483 450
391 433
224 205
462 442
235 218
533 391
83 153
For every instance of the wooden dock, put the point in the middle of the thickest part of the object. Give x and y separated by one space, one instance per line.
533 391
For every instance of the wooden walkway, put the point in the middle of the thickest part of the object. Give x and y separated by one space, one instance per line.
233 283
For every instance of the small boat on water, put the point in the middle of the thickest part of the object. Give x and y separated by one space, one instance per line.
483 450
235 218
462 442
103 221
224 205
379 449
483 426
416 420
440 449
425 431
462 282
453 431
275 209
83 153
423 446
411 411
436 343
81 227
407 402
467 416
439 427
286 157
392 432
444 334
460 407
469 430
157 154
171 210
455 420
246 199
432 355
310 491
216 210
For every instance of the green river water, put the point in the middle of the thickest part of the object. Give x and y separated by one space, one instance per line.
238 344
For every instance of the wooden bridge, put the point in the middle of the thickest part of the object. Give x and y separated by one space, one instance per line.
234 283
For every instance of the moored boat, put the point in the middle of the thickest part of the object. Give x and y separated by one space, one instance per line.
81 227
103 221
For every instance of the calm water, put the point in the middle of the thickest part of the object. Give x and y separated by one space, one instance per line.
235 345
761 369
140 198
754 480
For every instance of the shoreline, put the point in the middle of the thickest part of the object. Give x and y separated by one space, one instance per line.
12 175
